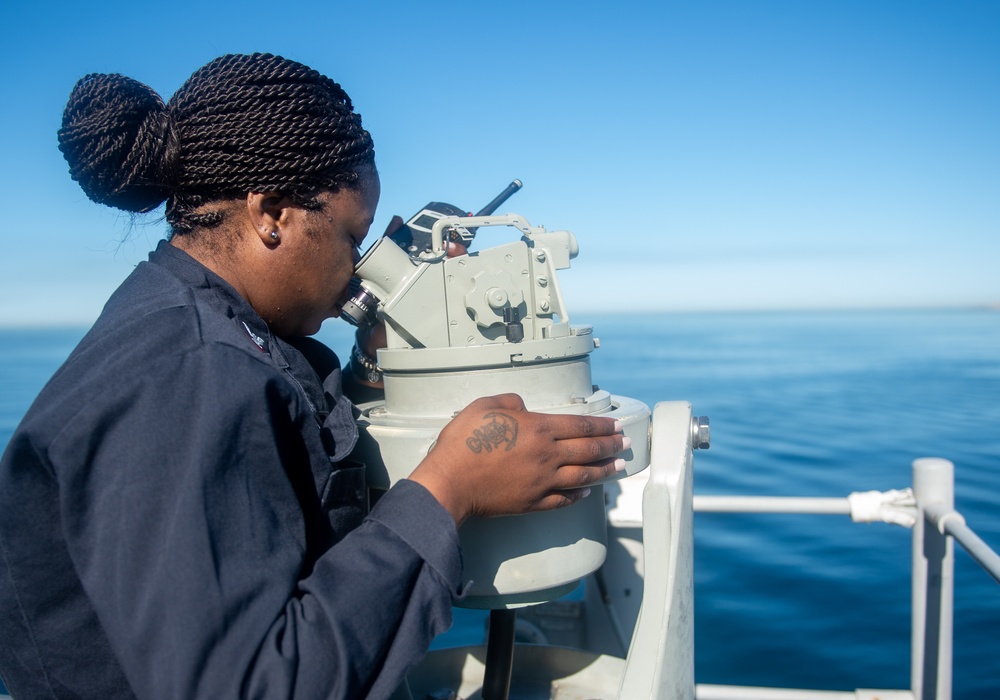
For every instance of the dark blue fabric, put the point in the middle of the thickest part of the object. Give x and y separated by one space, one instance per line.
177 519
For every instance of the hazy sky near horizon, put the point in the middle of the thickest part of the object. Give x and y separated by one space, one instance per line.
709 155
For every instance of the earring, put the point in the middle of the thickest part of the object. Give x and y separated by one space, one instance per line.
274 236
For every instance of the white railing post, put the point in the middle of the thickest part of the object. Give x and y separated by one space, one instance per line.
933 584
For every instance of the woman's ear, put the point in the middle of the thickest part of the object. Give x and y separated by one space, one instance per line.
267 214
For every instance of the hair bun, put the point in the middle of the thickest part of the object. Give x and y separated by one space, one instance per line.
114 136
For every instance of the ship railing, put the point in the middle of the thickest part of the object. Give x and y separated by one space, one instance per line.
927 508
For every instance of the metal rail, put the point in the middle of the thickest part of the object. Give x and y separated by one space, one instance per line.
930 501
950 522
740 692
771 504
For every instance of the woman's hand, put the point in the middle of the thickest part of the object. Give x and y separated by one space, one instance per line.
497 458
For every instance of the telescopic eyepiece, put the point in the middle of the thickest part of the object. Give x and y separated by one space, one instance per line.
361 310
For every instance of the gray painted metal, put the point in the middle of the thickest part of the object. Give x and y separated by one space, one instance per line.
771 504
933 585
660 662
952 523
736 692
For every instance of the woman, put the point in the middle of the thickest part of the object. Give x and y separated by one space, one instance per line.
178 515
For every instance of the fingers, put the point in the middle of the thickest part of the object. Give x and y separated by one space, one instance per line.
561 499
591 450
567 427
454 249
577 476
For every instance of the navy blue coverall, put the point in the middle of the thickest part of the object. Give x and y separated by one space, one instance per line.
178 518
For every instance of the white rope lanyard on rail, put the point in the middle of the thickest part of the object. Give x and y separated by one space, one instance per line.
897 507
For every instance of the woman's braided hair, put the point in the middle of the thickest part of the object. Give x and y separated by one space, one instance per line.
242 123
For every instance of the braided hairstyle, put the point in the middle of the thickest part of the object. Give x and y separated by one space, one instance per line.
242 123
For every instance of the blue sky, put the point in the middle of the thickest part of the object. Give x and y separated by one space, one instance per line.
710 155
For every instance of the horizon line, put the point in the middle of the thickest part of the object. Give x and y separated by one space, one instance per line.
985 307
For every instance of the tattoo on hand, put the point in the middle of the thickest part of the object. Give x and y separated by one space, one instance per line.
500 429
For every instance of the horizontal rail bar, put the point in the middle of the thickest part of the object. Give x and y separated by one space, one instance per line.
771 504
976 548
893 507
950 522
740 692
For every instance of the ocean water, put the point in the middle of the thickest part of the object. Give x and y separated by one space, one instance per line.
823 404
801 404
